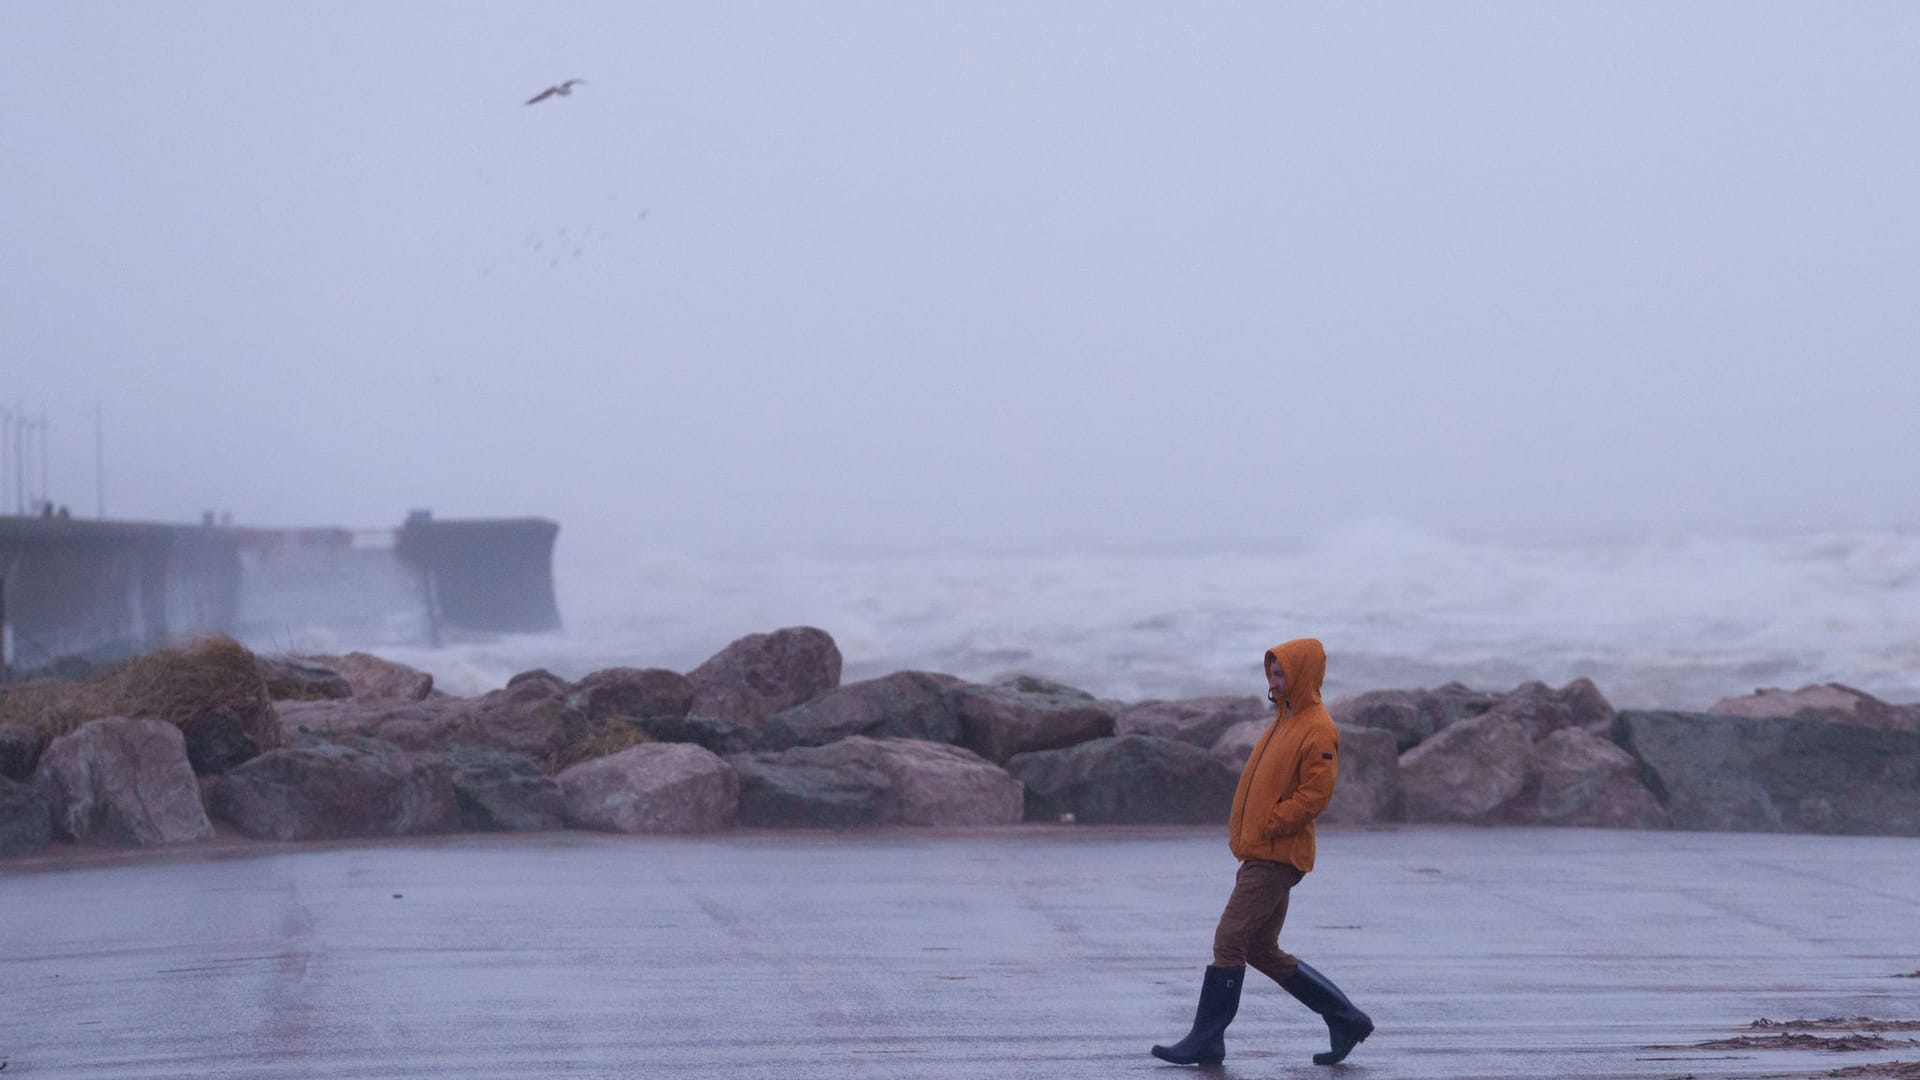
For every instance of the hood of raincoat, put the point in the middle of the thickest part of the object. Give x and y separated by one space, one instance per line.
1304 662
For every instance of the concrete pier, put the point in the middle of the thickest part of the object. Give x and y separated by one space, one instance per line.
105 590
1026 952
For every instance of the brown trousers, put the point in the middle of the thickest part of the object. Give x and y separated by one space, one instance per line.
1249 931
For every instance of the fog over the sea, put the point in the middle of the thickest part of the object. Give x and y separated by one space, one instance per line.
1017 276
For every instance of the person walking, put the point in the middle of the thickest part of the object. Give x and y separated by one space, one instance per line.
1286 783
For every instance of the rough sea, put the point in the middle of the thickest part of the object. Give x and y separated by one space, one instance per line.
1676 622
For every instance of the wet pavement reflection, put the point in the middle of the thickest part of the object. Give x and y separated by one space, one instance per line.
1024 952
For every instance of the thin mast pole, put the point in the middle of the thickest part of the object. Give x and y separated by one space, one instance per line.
99 461
20 457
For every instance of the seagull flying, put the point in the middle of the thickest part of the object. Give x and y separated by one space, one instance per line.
562 89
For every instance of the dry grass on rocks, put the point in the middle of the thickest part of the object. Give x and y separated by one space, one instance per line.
1880 1070
54 707
1792 1040
1854 1024
207 675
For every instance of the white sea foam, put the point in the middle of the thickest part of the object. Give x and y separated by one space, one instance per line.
1671 622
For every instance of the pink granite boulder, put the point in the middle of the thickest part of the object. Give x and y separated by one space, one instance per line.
652 788
123 781
1833 702
1469 772
633 694
762 674
374 678
531 716
1587 780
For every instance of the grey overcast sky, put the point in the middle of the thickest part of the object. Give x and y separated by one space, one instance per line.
1014 274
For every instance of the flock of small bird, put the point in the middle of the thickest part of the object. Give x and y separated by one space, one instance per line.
564 242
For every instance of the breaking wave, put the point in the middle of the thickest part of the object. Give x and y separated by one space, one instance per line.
1673 622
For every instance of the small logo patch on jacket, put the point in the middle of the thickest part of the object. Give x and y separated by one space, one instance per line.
1326 757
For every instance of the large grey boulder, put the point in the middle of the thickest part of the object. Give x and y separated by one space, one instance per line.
374 678
935 784
497 791
551 682
816 787
1412 715
762 674
906 704
723 737
1235 745
26 819
123 781
1537 755
868 781
1544 710
218 740
1368 789
633 694
1835 702
653 788
1200 721
1127 779
941 785
409 720
345 786
1038 684
1397 711
1584 779
1469 772
20 747
998 722
1588 709
1777 773
531 716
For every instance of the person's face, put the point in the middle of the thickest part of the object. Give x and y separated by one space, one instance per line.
1276 681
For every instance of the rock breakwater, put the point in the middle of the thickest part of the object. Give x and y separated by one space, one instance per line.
764 735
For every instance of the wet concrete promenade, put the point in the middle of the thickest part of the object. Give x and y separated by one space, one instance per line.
1004 954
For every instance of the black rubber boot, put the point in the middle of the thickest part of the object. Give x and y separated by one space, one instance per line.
1219 1000
1346 1024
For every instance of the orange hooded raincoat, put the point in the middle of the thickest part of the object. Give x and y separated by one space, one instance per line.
1289 777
